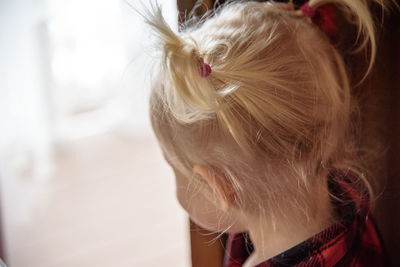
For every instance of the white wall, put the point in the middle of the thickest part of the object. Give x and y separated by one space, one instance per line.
47 103
42 103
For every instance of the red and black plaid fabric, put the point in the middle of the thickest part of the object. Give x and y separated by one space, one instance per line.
352 242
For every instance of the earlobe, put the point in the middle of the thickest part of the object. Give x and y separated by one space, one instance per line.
222 187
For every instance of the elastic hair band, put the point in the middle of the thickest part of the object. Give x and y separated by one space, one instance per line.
307 10
204 70
324 17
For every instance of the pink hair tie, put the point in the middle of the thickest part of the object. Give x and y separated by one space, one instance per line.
307 10
204 70
324 17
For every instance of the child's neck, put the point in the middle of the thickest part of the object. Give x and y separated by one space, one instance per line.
269 243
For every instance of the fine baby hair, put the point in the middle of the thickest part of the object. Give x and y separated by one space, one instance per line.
258 94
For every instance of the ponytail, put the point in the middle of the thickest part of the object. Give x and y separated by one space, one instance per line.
358 12
189 95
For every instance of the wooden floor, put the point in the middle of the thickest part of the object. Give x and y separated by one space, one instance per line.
109 202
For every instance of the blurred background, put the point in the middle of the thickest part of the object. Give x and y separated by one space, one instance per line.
83 182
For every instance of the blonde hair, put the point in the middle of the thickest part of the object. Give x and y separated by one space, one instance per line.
275 115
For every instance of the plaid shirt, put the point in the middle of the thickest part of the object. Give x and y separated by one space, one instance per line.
353 241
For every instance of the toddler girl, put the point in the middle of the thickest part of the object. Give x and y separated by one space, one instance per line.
253 111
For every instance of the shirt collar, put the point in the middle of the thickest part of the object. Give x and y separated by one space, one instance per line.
331 245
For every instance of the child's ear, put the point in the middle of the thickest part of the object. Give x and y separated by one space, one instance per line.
220 185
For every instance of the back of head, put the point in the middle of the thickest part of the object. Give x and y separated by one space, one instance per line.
274 115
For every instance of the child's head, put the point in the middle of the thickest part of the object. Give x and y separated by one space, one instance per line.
269 122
